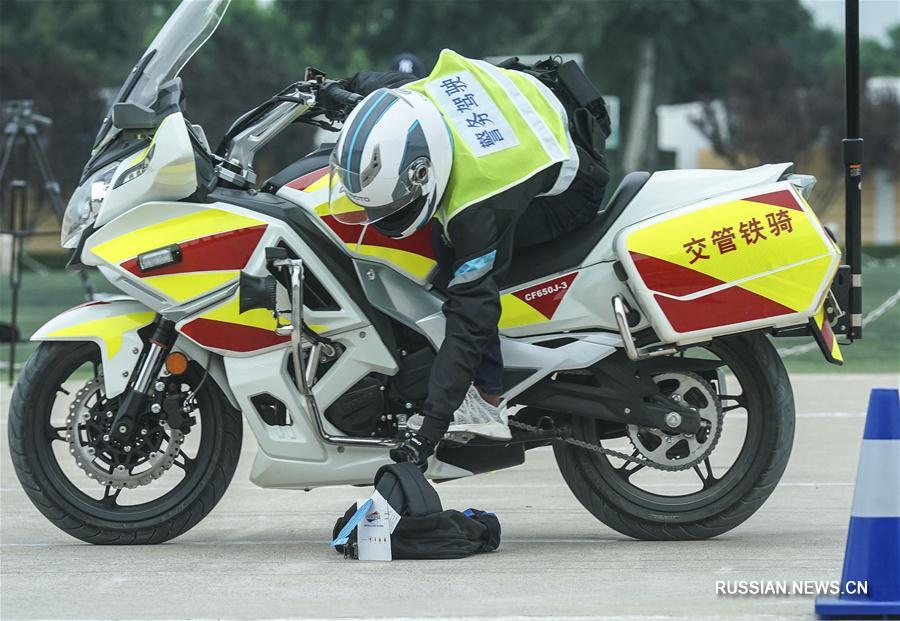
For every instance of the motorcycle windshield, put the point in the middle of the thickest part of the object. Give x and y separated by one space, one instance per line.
185 32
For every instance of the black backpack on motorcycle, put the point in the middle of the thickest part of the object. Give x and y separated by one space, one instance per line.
425 529
589 122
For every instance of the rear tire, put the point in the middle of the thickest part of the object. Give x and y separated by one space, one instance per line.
99 521
764 456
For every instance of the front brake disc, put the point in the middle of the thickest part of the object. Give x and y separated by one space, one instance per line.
87 435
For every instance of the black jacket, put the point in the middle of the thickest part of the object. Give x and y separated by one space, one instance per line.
472 308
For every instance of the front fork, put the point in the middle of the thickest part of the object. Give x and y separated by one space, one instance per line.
138 394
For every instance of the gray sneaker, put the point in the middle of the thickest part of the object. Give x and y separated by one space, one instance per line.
475 416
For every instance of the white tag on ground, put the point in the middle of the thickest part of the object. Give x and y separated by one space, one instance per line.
374 533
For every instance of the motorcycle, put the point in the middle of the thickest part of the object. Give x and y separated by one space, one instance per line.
630 346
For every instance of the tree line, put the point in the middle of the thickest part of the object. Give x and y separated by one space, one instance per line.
776 72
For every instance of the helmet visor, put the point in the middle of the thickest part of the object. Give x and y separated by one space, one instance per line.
367 197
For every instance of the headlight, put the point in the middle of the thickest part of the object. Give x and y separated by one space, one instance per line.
84 205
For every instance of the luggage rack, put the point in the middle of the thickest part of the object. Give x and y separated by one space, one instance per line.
621 310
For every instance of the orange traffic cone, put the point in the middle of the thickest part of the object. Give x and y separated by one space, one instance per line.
872 557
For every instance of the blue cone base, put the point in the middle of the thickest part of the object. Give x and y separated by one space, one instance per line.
834 608
873 539
873 555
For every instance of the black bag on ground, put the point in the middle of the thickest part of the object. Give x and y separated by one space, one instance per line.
425 529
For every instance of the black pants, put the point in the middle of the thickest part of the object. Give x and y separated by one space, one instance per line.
545 219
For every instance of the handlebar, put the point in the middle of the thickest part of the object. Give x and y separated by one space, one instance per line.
300 101
332 94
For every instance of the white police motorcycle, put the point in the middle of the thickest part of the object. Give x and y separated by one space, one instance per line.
637 346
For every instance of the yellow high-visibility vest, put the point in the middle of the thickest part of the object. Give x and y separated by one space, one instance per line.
506 127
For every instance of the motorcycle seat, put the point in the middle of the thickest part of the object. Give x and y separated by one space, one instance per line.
569 250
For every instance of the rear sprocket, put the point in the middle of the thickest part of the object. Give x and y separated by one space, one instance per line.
680 451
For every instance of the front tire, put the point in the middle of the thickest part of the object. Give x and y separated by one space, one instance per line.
65 494
726 501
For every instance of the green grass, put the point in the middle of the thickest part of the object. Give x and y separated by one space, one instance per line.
44 296
41 297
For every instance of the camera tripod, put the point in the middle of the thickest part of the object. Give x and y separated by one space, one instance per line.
21 138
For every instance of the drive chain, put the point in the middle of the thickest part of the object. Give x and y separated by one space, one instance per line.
595 447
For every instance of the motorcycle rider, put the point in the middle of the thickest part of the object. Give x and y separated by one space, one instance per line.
503 159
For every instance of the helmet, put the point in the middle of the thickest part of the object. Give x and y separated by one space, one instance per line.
391 164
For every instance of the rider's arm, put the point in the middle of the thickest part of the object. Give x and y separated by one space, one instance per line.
366 82
472 310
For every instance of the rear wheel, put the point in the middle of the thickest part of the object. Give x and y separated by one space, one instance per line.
149 491
708 485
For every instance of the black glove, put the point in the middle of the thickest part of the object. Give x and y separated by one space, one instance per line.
367 82
416 450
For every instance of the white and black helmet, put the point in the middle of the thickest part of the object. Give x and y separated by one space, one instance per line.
391 164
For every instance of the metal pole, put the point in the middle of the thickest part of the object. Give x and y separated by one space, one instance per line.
51 185
18 199
852 148
10 134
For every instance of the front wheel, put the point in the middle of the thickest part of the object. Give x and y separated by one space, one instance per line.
700 486
149 491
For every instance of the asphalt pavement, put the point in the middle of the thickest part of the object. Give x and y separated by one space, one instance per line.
264 554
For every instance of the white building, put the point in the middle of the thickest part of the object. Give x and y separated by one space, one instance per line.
676 132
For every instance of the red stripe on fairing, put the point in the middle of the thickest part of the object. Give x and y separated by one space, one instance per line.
231 336
545 297
781 198
348 233
304 181
728 306
418 243
223 251
671 278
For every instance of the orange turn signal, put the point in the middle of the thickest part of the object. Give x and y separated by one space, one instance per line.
176 363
